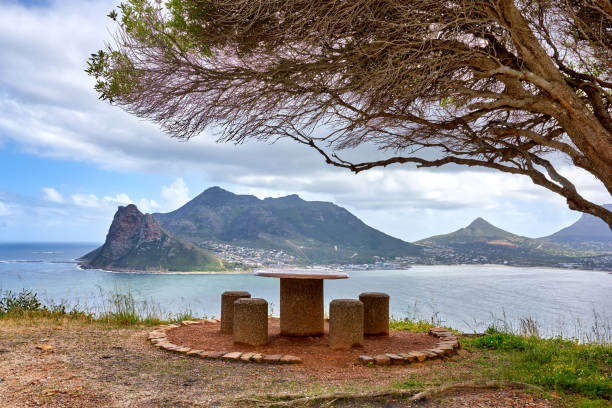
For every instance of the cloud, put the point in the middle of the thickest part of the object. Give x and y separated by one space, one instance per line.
176 194
85 200
52 195
4 210
54 112
108 203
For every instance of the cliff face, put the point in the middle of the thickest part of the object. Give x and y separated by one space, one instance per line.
136 241
130 228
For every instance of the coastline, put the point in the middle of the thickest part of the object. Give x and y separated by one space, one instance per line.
81 266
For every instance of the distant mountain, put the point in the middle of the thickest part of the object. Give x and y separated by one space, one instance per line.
314 231
478 231
589 233
487 243
136 241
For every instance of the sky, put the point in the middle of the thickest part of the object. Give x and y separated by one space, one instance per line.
67 159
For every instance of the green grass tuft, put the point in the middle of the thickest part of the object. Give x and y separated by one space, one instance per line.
556 364
119 309
417 326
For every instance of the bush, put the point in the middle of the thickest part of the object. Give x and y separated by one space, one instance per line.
26 300
500 341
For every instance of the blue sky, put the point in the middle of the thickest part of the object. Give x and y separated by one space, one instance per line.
68 160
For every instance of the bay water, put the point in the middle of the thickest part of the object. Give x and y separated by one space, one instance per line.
466 297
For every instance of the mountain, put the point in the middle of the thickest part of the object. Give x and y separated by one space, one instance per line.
478 231
483 242
136 241
589 233
314 231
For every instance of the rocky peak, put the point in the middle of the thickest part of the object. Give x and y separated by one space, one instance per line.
130 227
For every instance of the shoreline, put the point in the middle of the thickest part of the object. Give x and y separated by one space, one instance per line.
139 272
232 272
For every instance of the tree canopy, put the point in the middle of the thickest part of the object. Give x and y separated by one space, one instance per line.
520 86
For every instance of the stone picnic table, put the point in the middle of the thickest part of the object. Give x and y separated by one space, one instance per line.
301 299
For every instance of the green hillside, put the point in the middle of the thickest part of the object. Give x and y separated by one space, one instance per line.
314 231
481 240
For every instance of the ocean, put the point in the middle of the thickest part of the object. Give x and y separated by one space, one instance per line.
466 297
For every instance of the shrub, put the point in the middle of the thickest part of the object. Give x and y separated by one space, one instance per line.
14 303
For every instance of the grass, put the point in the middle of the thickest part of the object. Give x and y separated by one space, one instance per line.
417 326
119 309
582 373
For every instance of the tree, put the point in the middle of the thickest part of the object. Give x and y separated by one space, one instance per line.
520 86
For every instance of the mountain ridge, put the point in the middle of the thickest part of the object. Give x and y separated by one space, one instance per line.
587 233
315 231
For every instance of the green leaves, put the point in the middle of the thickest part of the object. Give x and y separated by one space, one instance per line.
146 26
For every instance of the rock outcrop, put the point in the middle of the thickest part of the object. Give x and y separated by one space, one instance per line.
136 241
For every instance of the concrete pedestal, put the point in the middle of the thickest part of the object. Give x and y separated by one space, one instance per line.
251 321
375 313
345 323
227 309
301 307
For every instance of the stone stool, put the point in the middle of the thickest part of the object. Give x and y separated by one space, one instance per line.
227 309
251 321
375 313
345 323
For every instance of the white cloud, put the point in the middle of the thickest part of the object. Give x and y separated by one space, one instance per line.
144 205
54 112
85 200
4 210
52 195
176 194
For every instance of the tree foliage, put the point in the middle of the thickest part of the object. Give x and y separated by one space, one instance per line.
521 86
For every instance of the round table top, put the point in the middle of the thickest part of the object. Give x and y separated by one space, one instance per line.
301 274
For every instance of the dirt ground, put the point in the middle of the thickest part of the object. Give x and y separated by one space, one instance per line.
315 352
90 365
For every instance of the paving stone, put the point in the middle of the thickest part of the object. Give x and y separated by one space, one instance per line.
182 349
409 357
290 360
430 353
420 356
257 357
189 322
234 355
194 352
246 356
167 344
396 359
382 359
437 352
215 355
271 358
446 349
437 330
365 360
